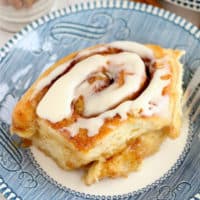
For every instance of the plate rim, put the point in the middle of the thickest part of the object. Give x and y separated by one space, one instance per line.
185 4
90 5
7 190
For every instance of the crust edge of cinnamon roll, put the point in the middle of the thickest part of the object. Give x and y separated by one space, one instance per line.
110 145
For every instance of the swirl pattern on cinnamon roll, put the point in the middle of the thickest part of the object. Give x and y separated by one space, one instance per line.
92 103
107 85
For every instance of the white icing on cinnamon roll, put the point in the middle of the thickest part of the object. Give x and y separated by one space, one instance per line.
107 84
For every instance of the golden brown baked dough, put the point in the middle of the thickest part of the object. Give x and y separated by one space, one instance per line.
126 161
117 148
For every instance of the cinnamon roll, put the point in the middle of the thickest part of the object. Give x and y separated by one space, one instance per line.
106 107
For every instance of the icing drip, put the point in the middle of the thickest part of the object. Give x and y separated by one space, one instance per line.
106 84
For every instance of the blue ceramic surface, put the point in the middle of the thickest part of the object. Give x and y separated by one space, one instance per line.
50 38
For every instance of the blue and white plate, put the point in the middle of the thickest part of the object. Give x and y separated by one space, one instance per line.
171 174
189 4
